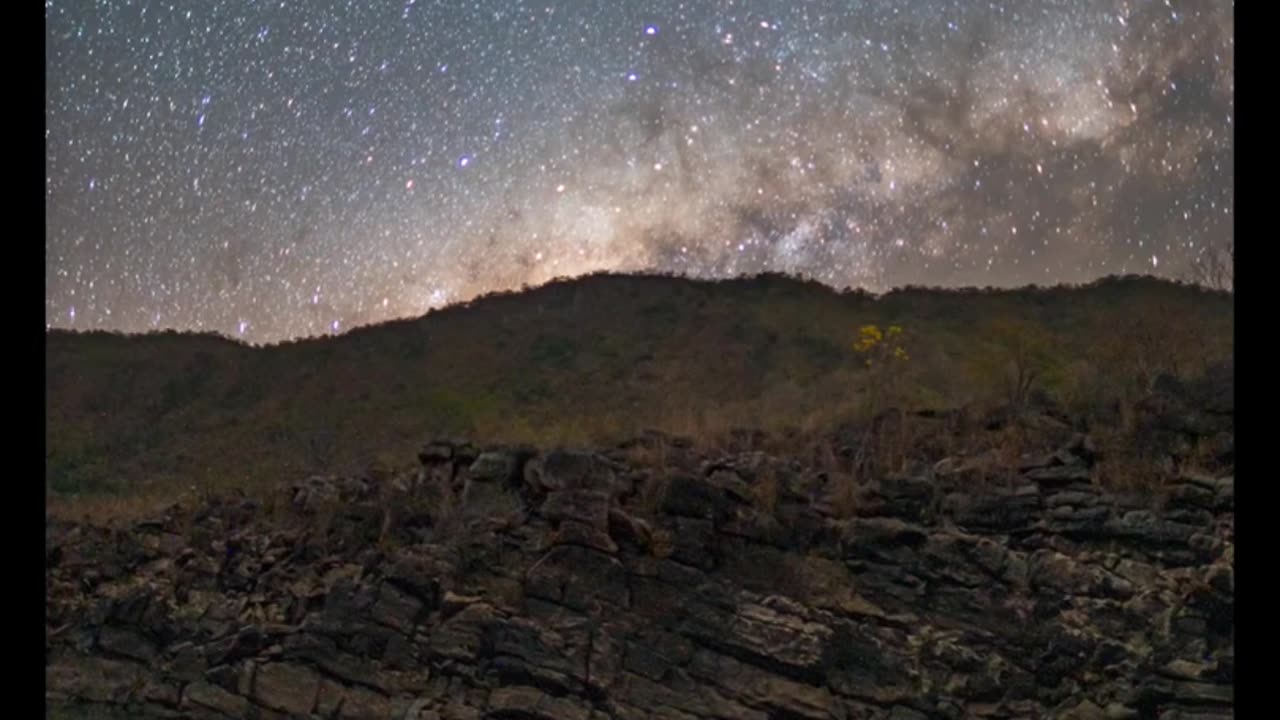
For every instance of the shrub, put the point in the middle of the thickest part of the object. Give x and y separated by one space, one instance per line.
885 355
1022 354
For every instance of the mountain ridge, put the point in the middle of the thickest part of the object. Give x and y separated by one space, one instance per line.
590 359
768 277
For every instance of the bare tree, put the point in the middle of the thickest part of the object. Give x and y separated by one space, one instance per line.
1025 353
1215 268
1148 339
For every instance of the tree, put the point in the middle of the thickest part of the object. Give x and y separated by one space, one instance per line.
884 353
1025 353
1215 268
885 356
1148 339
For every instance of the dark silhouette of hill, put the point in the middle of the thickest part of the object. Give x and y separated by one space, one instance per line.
601 358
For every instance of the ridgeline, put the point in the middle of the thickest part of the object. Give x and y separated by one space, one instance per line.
599 359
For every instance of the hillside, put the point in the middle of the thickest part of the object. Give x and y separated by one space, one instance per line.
598 359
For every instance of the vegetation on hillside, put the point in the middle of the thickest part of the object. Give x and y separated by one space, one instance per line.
602 358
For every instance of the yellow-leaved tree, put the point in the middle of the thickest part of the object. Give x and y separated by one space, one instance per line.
884 353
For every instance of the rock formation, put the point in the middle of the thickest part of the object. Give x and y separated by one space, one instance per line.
576 585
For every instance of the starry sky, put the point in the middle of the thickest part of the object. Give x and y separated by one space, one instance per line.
268 169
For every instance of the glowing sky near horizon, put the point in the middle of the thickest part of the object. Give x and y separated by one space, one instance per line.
268 170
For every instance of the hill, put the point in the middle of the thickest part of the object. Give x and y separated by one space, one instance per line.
601 358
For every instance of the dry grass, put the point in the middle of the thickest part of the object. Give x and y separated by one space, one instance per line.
654 488
112 510
1124 469
765 490
1128 475
844 494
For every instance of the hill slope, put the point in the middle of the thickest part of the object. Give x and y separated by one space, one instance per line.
596 359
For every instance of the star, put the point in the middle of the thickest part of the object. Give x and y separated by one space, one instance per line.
215 170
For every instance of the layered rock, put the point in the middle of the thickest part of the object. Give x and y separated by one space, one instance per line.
500 583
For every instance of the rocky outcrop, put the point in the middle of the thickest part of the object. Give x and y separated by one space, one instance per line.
501 583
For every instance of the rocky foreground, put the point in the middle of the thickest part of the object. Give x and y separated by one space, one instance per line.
507 583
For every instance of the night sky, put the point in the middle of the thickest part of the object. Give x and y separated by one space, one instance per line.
271 169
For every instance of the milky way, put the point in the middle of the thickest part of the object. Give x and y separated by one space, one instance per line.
267 170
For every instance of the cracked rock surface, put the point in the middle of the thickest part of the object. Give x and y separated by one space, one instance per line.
582 585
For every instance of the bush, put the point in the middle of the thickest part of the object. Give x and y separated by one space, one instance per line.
884 355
